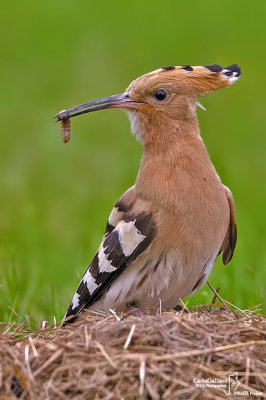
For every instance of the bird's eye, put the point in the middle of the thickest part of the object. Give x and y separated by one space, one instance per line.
160 95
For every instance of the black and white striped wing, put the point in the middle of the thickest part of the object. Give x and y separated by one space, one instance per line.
126 237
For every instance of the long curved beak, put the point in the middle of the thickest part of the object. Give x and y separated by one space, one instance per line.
116 101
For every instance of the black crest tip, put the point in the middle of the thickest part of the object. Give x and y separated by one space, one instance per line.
187 67
168 68
214 67
234 68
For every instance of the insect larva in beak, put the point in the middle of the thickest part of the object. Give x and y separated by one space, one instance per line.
65 127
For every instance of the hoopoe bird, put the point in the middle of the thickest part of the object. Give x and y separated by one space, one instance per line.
164 234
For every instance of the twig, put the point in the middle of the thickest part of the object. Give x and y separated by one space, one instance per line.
8 328
184 307
247 370
13 311
48 362
191 353
214 298
115 314
219 297
44 324
27 362
127 343
106 356
87 337
142 374
35 352
239 309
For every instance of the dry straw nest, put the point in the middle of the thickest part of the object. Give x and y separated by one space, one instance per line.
144 357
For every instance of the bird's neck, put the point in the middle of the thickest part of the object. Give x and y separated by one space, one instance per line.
176 163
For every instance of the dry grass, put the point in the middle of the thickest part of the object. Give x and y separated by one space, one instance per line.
147 357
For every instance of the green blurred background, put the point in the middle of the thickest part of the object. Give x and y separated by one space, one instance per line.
55 198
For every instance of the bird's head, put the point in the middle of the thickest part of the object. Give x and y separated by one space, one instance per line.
163 99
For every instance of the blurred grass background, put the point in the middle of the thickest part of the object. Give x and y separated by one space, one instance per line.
55 198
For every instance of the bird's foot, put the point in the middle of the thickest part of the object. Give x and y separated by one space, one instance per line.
182 309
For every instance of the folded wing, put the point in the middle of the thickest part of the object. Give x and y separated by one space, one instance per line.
128 233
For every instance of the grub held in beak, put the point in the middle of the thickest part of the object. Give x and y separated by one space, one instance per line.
116 101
